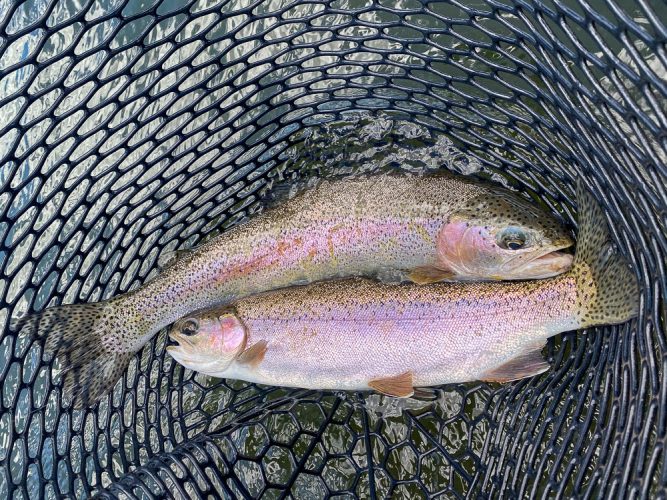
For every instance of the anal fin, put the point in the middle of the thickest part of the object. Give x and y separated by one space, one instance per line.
399 386
254 354
424 275
527 363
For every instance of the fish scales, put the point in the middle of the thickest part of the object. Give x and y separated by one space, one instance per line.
361 334
342 334
344 233
401 226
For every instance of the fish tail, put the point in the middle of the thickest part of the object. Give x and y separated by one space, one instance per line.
79 336
607 288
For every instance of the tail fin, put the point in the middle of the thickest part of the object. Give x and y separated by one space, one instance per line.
607 288
73 334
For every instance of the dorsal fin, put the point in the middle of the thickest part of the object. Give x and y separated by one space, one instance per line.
170 258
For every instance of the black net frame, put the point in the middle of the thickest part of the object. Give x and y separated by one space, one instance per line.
134 127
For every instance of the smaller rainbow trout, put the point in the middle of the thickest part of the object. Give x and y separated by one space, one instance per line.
359 334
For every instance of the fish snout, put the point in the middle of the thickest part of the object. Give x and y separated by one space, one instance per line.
561 262
548 265
178 341
182 349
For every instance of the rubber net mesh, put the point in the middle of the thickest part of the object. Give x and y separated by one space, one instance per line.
130 128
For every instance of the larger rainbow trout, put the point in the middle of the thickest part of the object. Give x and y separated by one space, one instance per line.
431 228
360 334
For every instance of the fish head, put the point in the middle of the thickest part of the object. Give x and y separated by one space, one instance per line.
501 236
208 341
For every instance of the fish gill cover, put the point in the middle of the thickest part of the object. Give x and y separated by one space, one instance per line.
133 128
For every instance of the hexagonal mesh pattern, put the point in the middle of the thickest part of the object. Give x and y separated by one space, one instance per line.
134 127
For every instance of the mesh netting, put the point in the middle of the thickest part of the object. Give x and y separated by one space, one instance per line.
130 128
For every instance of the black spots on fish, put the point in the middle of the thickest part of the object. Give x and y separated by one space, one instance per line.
75 336
607 289
61 326
497 209
92 374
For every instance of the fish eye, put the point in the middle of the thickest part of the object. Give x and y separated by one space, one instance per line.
512 238
190 327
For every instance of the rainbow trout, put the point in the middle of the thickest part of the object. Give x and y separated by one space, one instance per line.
359 334
431 228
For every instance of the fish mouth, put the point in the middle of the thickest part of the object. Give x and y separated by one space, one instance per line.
181 349
547 265
178 340
178 344
186 352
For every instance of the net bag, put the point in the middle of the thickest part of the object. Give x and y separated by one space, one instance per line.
131 128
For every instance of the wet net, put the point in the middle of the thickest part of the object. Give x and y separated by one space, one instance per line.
130 128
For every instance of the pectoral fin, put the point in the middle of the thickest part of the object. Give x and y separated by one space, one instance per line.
399 386
254 354
424 275
526 364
